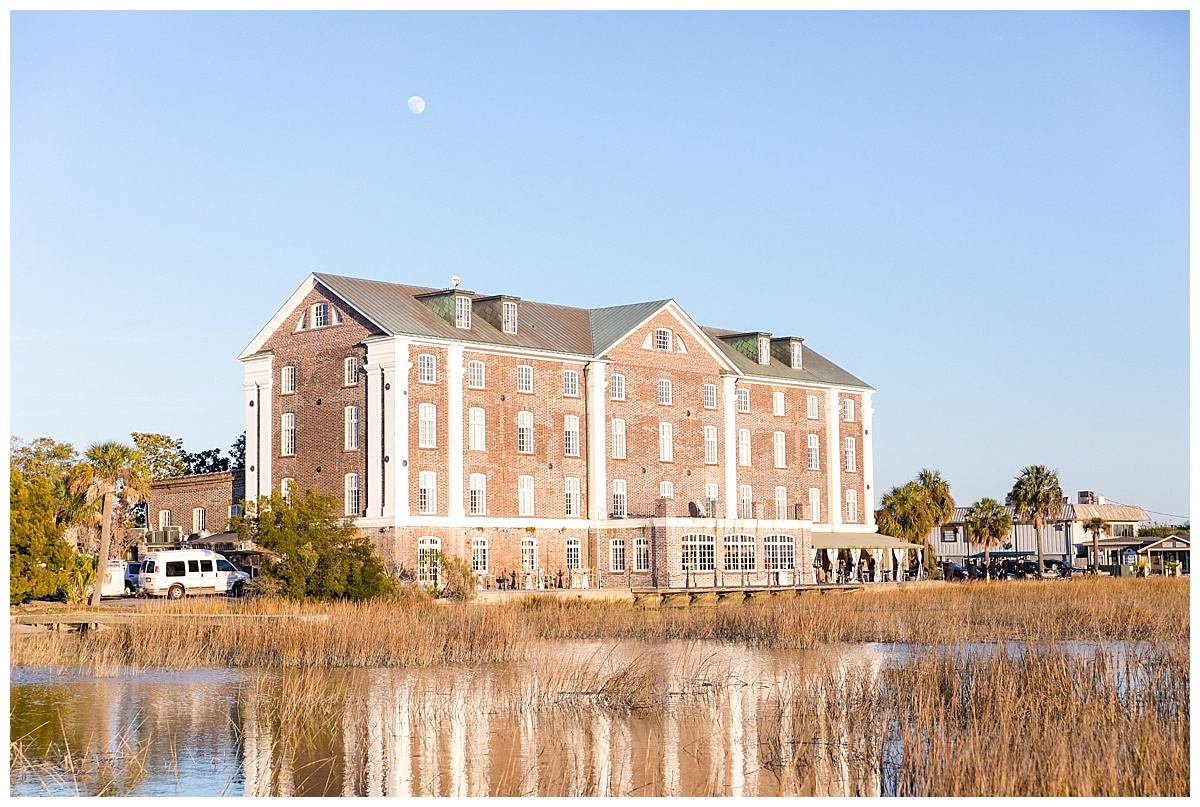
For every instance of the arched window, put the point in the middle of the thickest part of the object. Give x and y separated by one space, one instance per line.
779 552
428 562
573 553
699 553
739 553
529 554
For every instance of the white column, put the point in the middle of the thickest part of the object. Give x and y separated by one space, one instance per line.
455 370
729 405
396 438
833 439
868 463
597 440
257 377
381 358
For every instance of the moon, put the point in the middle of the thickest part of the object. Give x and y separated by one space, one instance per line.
416 104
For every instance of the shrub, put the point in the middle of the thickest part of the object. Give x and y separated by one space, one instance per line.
39 559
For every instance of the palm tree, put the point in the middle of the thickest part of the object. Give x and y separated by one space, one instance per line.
941 503
76 506
987 524
1037 497
906 513
1097 527
115 470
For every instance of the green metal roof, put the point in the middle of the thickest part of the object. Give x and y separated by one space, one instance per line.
817 368
610 324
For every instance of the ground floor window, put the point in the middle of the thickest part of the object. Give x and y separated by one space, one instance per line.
779 552
479 555
528 554
641 554
428 565
739 553
699 553
617 554
573 553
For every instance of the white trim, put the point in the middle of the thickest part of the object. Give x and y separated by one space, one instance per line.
258 377
833 465
456 371
381 356
868 466
693 329
279 318
730 424
398 415
597 436
521 522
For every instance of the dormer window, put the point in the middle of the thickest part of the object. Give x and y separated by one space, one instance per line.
510 317
764 350
662 339
320 315
797 356
462 312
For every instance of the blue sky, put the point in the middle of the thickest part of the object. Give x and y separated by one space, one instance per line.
983 215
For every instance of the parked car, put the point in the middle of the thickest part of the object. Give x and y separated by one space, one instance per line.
175 573
952 571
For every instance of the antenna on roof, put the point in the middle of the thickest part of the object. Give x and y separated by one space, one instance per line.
455 281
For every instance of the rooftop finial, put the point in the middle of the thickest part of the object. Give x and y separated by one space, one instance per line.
455 280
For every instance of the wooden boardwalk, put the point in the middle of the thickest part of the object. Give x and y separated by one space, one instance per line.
711 595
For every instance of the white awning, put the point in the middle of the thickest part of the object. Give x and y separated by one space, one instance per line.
859 540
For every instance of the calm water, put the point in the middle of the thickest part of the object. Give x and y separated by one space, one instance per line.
581 718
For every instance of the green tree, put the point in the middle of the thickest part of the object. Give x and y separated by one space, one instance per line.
319 555
39 559
41 457
1097 527
1037 497
162 456
237 453
941 506
987 524
77 508
117 470
206 462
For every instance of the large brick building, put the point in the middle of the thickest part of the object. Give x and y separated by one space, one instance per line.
627 442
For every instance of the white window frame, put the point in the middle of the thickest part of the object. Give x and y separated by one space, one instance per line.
287 379
428 571
477 495
848 410
745 501
618 439
851 455
479 555
525 496
574 554
781 513
662 339
616 555
287 489
743 399
462 312
666 490
666 442
320 315
350 428
571 496
571 383
616 387
711 494
234 510
476 377
199 519
741 553
476 429
814 407
814 505
698 552
814 452
797 356
287 437
779 441
350 495
524 432
426 425
764 350
779 552
777 403
664 392
350 371
571 436
509 312
525 378
529 553
710 396
620 498
641 554
851 506
426 368
427 493
710 445
744 447
164 519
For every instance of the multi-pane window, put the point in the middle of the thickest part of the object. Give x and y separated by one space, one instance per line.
618 439
780 502
616 555
616 387
350 371
743 399
510 317
475 376
814 452
524 432
780 443
699 553
350 428
710 445
710 498
779 552
848 409
777 402
666 490
350 491
743 446
234 510
851 506
427 492
571 436
814 504
164 519
476 429
529 553
619 503
287 489
524 378
427 368
287 440
764 350
739 553
479 555
426 426
814 407
710 396
797 356
462 311
320 315
525 495
287 379
851 458
662 339
664 391
571 383
666 447
428 567
571 494
641 554
574 555
478 495
745 502
198 519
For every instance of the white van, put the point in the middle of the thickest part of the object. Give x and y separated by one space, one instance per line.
175 573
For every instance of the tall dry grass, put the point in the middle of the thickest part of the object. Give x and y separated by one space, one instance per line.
416 631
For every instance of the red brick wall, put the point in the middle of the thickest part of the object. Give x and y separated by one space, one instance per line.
428 459
852 480
214 492
762 475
